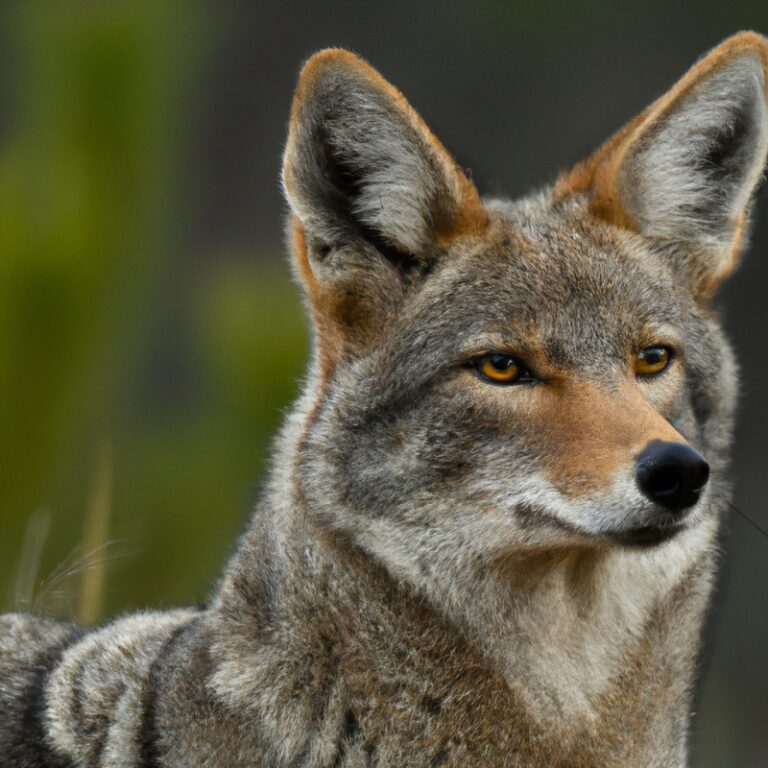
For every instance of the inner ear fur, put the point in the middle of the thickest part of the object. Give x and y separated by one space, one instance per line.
684 171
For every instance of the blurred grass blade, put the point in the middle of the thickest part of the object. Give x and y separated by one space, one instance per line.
95 533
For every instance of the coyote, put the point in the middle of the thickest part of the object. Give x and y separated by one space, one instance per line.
489 533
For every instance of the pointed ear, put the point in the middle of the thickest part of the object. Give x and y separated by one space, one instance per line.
360 162
683 172
375 196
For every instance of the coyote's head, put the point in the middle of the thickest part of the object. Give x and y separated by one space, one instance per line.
494 377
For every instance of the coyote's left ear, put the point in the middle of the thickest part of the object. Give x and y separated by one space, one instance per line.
684 171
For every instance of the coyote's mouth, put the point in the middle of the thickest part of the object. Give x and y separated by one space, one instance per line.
648 535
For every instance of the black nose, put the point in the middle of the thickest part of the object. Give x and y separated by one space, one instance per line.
672 475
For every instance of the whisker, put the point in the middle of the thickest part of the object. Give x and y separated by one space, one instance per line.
748 519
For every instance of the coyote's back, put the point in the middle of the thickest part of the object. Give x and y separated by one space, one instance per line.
488 537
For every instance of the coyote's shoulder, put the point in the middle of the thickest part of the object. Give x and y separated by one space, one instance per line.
488 538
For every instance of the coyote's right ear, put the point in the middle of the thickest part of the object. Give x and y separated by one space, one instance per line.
375 196
684 171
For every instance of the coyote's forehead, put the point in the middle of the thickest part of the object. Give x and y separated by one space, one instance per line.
553 285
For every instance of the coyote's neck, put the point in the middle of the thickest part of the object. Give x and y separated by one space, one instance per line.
565 628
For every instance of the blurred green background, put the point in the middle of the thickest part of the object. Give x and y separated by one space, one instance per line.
150 334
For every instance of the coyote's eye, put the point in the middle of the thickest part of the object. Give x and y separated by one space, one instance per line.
499 368
652 360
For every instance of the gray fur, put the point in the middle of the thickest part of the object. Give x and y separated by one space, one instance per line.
432 576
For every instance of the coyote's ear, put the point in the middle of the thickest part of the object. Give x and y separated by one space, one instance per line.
360 162
374 194
684 171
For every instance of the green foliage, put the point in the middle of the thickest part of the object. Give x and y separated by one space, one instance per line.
90 185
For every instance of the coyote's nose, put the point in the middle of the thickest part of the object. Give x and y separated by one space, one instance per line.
672 475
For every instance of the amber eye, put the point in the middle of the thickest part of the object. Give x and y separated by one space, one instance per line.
499 368
652 360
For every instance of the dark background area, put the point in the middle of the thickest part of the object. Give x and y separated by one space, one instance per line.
150 336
